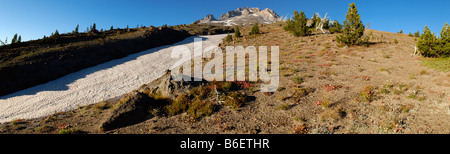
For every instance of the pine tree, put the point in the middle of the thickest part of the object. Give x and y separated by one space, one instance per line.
353 28
255 29
336 27
237 32
94 27
315 21
19 39
417 34
112 28
229 38
427 43
56 33
297 26
444 41
326 24
76 29
14 39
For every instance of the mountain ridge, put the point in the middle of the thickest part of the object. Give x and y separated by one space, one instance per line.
242 16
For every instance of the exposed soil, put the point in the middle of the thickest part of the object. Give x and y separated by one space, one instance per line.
325 88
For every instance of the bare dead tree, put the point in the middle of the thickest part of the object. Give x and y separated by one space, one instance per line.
322 21
4 43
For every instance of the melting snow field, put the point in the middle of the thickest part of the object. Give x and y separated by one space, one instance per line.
94 84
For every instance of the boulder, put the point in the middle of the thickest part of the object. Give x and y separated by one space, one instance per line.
168 87
131 109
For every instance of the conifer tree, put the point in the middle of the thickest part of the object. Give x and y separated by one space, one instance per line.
237 32
417 34
229 38
326 24
94 27
353 28
297 26
56 33
76 29
14 39
255 29
427 43
444 41
19 39
336 27
315 21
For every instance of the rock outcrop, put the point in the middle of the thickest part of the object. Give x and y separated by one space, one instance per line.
134 107
131 109
243 16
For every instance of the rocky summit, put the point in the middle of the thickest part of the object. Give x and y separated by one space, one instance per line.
242 16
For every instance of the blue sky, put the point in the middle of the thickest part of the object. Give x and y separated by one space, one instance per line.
32 19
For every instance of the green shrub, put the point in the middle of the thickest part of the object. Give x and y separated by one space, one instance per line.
334 30
234 99
179 105
367 94
229 38
199 109
298 79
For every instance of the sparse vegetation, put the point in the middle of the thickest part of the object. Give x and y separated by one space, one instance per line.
302 129
298 79
439 64
367 94
283 107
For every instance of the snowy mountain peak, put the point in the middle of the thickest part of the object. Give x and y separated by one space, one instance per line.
243 16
